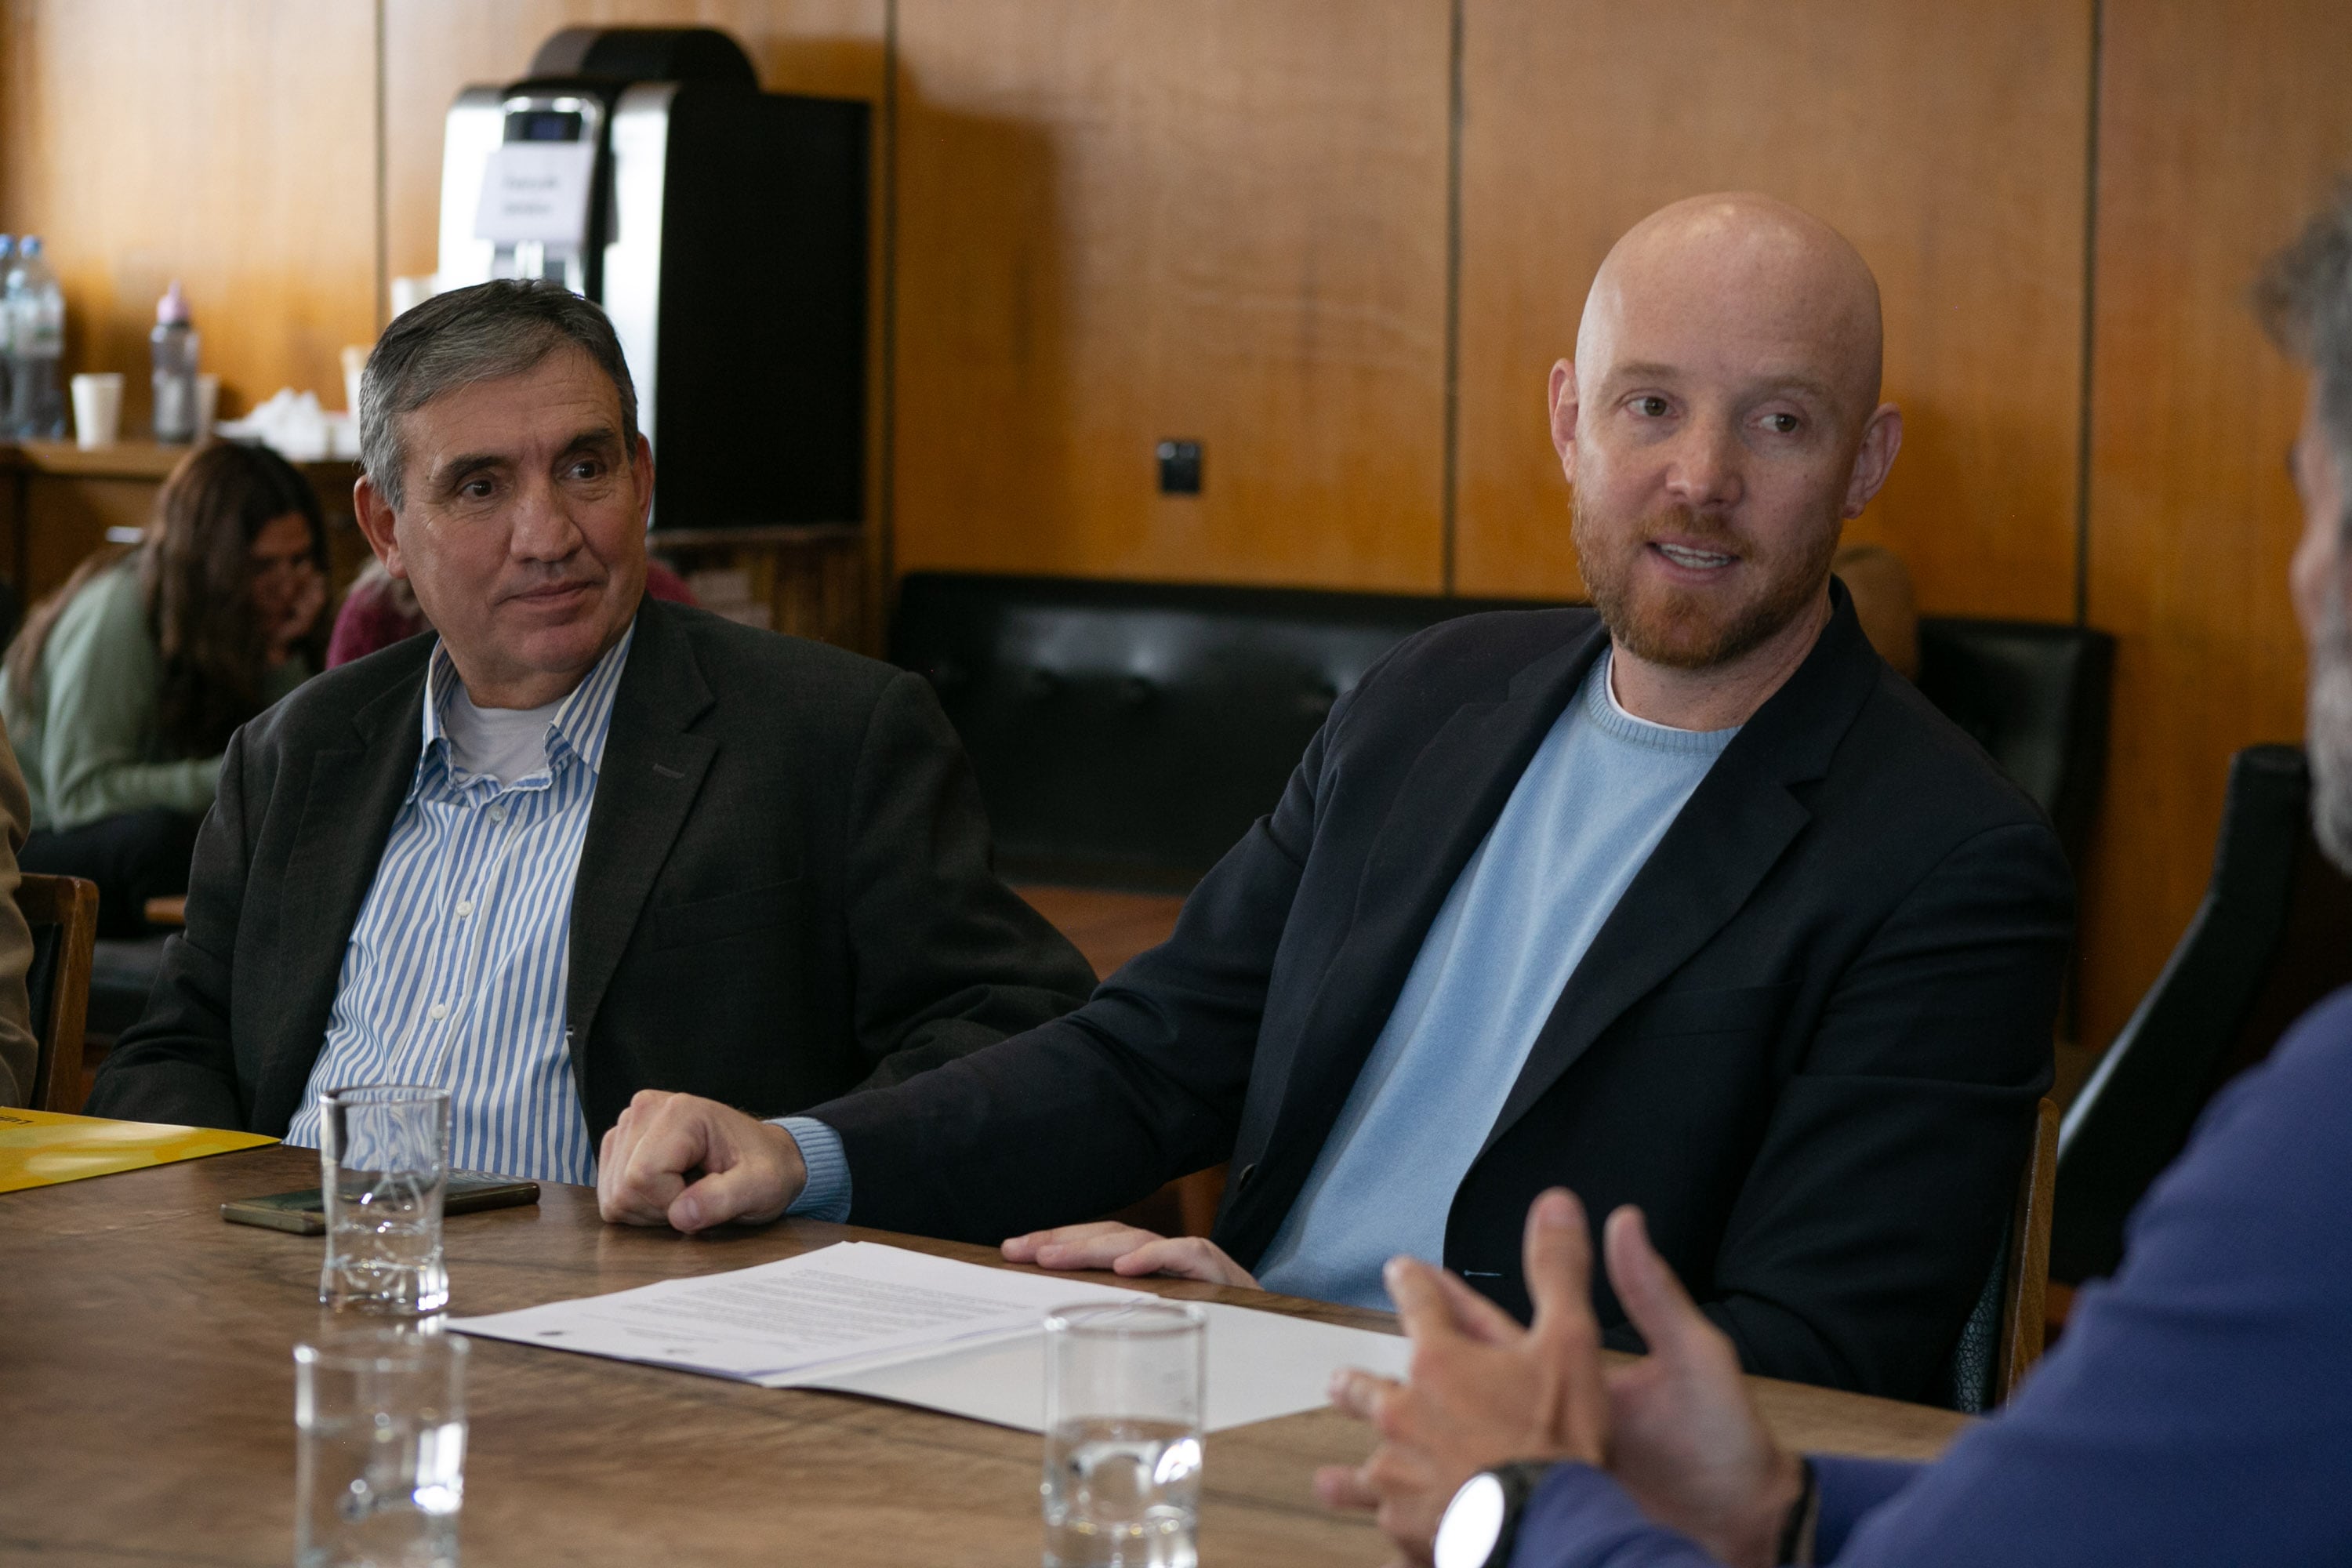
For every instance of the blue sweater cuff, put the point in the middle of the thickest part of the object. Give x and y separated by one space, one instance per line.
1579 1518
826 1195
1851 1488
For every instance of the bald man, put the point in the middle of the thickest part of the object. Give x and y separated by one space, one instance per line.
1684 900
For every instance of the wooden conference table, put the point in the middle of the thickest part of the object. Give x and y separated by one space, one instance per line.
146 1404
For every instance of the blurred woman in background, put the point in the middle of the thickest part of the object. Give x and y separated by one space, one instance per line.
124 685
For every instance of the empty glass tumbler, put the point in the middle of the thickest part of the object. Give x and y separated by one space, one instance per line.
1124 1390
383 1163
380 1465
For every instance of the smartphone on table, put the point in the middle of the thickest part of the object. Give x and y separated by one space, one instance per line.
305 1212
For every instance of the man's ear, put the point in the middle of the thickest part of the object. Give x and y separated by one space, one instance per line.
375 519
1563 416
1881 439
640 459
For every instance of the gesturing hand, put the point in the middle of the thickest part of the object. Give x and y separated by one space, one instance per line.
1127 1249
1686 1439
1481 1390
690 1162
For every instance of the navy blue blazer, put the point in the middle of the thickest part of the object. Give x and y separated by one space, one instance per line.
2197 1412
1807 1040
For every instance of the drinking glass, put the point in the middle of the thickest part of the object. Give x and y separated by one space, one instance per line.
1123 1399
380 1461
384 1164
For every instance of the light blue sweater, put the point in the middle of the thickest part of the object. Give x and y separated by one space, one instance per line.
1598 796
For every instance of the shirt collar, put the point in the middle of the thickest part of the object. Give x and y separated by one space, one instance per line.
580 725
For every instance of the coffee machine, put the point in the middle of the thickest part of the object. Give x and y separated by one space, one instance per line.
724 231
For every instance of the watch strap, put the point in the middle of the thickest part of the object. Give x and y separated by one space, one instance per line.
1520 1477
1804 1518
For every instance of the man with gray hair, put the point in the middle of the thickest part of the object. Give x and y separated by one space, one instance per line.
580 844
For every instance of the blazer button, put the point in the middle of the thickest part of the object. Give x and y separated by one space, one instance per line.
1247 1172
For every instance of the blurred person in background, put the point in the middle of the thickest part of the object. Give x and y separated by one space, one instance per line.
381 609
19 1052
123 687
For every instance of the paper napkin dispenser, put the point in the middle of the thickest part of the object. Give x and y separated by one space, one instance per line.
724 231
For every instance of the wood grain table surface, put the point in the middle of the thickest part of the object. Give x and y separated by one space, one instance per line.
146 1406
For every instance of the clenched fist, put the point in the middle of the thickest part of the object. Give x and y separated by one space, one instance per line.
689 1163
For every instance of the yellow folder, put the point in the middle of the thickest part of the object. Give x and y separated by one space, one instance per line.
41 1148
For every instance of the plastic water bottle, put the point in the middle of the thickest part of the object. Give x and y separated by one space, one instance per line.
36 308
172 346
7 332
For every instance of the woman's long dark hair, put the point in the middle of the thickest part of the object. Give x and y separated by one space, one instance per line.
195 575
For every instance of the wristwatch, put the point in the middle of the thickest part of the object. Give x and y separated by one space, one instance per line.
1483 1519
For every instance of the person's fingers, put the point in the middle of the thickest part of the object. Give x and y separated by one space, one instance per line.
1557 1255
669 1142
1420 1302
1186 1257
1339 1486
1476 1315
1097 1251
1359 1393
1653 1297
743 1184
1083 1239
616 1201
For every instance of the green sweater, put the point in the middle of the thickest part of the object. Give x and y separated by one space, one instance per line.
87 741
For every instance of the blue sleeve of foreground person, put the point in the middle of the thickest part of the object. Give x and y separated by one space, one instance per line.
2198 1411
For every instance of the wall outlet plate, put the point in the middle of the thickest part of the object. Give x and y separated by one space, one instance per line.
1180 468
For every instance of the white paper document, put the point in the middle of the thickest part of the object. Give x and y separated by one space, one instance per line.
860 1318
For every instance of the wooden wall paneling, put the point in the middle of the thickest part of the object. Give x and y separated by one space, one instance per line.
229 144
1218 219
70 514
1949 143
2222 130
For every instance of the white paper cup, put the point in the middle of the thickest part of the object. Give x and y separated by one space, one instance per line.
98 408
355 357
207 406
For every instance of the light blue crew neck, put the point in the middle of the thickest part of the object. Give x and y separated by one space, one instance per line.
1580 823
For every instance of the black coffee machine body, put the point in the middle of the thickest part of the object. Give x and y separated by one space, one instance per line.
724 231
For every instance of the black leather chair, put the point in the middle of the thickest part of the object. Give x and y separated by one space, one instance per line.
1127 734
2035 696
2272 936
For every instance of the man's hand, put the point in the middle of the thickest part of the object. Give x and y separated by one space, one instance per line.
1686 1439
1129 1250
689 1163
1481 1390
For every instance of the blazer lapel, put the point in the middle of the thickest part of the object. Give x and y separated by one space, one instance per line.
352 795
1730 834
653 769
1448 802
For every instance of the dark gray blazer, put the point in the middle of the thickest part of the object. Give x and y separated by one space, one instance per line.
1807 1041
784 895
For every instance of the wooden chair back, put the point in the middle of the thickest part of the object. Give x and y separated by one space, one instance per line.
2025 1290
63 914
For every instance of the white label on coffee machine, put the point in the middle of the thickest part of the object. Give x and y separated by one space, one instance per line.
536 191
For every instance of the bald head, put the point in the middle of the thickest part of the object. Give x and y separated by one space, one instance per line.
1766 278
1718 425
